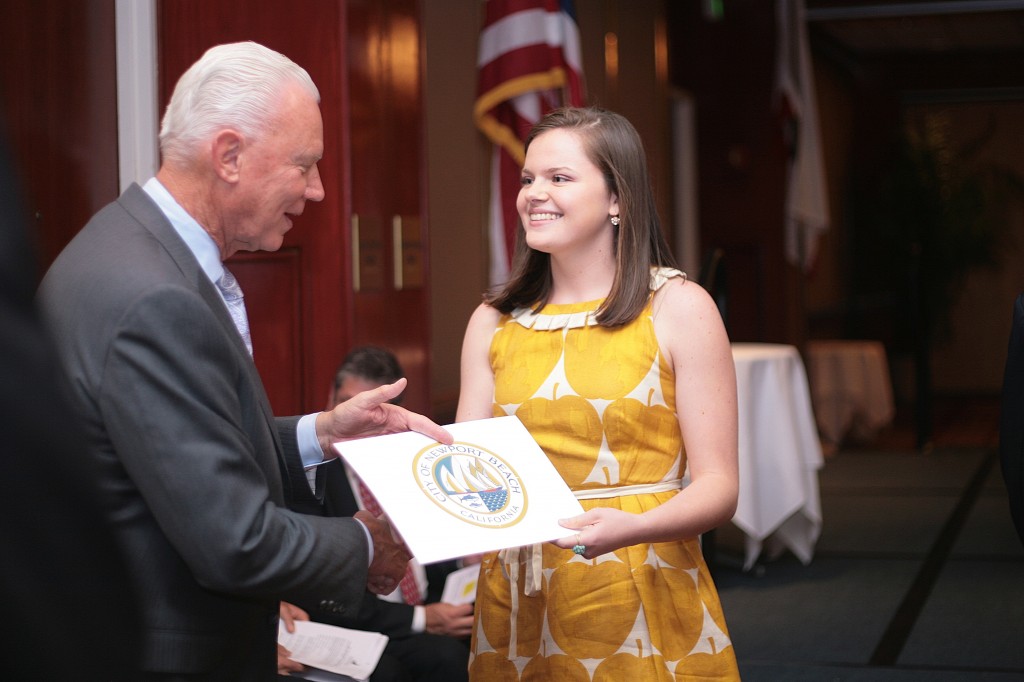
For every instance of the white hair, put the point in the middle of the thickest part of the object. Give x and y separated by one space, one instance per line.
237 85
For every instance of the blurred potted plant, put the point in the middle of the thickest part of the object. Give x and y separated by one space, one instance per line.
934 216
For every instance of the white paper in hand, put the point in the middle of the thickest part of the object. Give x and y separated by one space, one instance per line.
492 488
338 650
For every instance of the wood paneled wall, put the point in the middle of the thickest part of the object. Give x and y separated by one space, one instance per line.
58 96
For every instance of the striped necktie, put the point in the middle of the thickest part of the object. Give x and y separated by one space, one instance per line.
232 294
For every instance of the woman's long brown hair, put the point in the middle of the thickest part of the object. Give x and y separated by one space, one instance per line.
613 145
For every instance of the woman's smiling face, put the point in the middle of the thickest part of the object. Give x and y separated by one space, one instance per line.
564 201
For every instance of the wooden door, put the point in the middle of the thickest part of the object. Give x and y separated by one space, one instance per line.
58 109
304 309
389 231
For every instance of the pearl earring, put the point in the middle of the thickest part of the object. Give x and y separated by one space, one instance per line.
615 220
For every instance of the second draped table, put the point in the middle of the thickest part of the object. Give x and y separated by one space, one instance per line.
850 388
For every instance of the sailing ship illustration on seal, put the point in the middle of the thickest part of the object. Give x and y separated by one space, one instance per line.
471 482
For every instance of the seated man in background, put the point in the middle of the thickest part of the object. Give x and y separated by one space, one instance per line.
427 638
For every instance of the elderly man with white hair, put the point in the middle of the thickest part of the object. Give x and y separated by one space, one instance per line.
151 331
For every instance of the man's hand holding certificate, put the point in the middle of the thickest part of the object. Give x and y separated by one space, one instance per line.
492 488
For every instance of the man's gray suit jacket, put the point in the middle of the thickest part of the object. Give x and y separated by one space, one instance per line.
196 470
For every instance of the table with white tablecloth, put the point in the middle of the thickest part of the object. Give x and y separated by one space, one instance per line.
779 506
851 390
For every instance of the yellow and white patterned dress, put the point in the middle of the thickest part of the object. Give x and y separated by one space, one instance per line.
601 404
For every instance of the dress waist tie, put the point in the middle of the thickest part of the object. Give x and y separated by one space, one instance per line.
532 555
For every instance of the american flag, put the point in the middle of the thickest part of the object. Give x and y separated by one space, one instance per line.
528 64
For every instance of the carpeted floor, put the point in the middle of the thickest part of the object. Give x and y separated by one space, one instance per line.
918 574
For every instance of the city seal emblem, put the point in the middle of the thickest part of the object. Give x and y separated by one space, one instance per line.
471 483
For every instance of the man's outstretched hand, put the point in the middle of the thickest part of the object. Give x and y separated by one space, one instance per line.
370 414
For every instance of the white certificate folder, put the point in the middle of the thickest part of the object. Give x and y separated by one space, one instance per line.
492 488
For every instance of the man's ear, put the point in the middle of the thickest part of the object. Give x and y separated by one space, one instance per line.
227 155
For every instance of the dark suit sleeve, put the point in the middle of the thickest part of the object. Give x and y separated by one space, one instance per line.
175 409
1011 426
339 500
299 495
437 574
375 615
